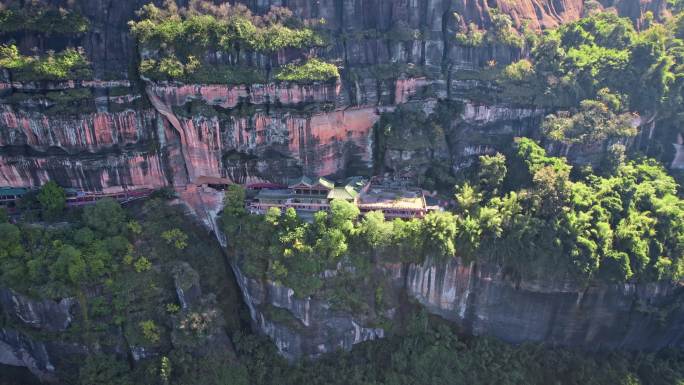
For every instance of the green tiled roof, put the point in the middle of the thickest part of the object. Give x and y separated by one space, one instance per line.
347 193
12 191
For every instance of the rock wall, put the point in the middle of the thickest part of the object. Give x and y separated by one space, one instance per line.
18 348
98 131
255 131
317 142
109 46
309 328
485 302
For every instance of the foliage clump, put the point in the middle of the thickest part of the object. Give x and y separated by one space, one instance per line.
500 32
41 18
68 64
593 122
311 71
205 42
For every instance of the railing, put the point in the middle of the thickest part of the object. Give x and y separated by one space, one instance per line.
261 208
121 197
390 213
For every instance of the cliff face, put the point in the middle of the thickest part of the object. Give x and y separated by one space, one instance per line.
221 139
482 300
20 349
111 137
301 327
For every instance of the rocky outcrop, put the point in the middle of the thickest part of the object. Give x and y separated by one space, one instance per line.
38 314
186 282
482 300
300 327
17 349
200 325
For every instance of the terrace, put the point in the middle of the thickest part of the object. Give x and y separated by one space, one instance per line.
394 202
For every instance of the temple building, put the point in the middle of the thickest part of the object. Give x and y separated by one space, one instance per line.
395 200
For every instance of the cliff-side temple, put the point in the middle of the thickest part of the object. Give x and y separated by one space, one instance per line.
393 198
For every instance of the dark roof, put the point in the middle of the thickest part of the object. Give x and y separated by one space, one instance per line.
273 194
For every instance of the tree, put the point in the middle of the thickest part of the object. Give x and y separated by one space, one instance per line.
614 158
520 71
70 267
343 214
233 210
106 217
491 173
375 231
12 254
142 264
407 240
467 199
331 245
551 189
101 369
439 231
52 200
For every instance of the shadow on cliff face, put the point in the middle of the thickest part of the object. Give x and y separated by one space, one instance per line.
14 375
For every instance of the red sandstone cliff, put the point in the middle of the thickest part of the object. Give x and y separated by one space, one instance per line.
251 131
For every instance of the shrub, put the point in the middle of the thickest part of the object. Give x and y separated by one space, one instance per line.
150 331
471 37
142 264
311 71
68 64
52 200
176 237
519 71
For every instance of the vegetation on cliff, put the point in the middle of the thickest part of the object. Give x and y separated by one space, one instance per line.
532 214
429 352
40 17
578 64
310 71
500 32
68 64
120 266
187 43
